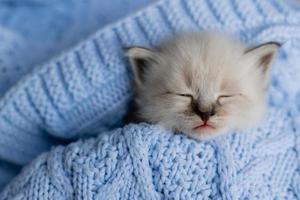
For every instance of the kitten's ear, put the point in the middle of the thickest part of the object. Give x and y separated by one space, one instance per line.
264 55
140 59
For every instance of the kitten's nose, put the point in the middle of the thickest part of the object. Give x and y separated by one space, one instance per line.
206 115
204 112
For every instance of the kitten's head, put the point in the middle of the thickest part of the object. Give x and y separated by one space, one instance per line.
201 84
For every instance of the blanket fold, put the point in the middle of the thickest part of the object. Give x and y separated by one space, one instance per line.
31 33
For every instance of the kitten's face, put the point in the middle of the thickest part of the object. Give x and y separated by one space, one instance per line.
201 84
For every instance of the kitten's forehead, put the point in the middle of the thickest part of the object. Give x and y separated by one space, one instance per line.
205 45
202 62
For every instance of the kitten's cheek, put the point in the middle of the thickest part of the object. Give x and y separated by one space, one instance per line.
222 113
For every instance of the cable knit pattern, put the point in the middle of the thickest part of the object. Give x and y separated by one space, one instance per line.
145 162
87 90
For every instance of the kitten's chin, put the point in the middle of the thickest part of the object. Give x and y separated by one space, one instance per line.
204 133
199 133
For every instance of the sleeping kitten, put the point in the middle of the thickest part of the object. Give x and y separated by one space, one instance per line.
201 84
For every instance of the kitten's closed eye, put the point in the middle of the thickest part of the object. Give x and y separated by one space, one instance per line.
184 95
222 98
181 94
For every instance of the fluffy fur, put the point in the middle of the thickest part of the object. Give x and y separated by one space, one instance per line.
201 84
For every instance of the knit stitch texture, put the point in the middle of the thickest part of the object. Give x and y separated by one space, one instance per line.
87 89
145 162
33 31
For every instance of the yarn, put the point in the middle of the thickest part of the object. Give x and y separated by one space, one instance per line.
34 31
143 161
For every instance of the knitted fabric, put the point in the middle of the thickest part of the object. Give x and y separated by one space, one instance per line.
145 162
86 90
33 31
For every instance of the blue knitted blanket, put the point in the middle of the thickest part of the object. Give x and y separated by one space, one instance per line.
85 91
34 31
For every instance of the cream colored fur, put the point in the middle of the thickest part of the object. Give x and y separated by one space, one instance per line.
218 71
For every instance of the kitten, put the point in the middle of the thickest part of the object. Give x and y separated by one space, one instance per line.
201 84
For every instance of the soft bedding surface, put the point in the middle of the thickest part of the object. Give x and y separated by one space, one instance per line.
34 31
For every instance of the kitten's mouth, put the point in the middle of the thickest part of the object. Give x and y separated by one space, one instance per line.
204 126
